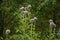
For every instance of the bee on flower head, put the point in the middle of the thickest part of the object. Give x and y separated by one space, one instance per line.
28 7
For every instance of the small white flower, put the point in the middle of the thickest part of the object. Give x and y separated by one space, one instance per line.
35 18
21 8
8 31
29 6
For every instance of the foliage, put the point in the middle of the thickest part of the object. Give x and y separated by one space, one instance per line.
19 23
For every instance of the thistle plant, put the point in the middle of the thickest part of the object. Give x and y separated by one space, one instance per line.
51 29
27 24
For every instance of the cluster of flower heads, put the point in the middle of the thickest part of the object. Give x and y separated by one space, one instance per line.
25 10
33 19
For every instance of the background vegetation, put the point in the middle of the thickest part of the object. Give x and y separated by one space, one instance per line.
12 18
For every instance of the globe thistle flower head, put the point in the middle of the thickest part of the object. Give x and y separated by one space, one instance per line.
50 20
25 12
52 24
35 18
8 31
22 8
29 6
32 20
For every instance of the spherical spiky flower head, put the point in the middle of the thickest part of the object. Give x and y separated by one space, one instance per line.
29 6
8 31
50 20
22 8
